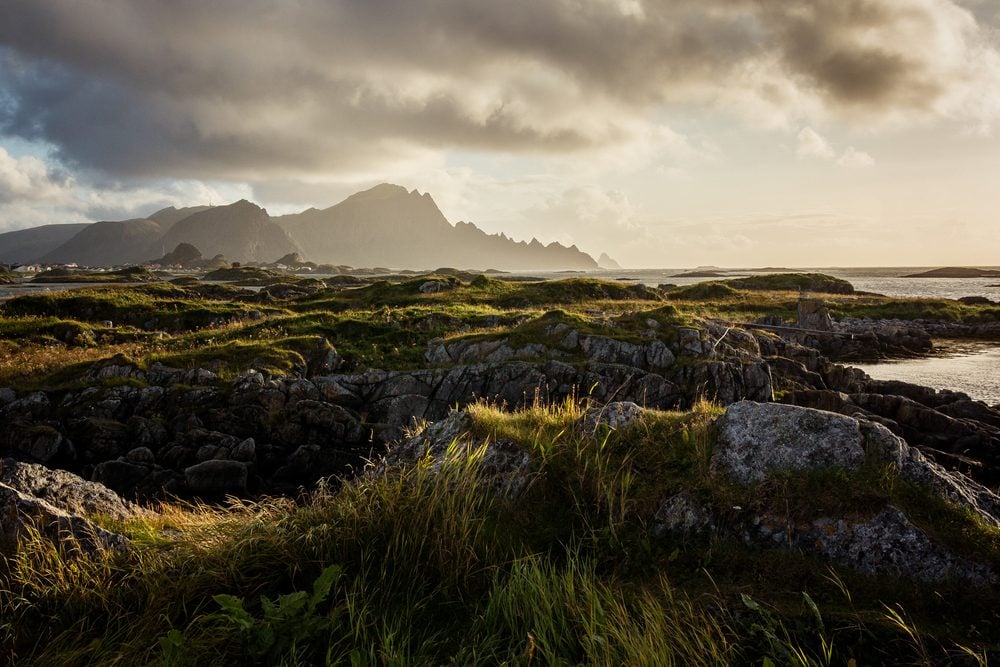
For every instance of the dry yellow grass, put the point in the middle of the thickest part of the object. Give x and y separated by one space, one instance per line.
19 364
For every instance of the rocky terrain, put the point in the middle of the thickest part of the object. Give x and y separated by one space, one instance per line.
704 426
162 430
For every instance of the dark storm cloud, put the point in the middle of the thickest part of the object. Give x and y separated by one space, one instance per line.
254 89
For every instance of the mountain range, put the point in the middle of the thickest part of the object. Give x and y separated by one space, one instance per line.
386 226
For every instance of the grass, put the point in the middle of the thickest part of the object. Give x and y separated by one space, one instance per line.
433 566
381 324
427 565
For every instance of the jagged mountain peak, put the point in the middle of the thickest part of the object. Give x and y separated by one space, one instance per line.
386 225
380 191
605 262
244 204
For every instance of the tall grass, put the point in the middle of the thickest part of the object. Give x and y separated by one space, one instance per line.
433 566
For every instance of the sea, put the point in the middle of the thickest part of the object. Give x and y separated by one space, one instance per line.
970 368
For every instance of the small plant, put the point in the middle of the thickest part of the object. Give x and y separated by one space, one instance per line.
284 622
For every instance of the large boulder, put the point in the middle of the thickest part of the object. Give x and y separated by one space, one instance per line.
216 478
755 439
65 490
20 512
56 504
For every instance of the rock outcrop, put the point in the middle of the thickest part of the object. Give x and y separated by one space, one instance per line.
143 431
55 504
167 428
757 441
65 490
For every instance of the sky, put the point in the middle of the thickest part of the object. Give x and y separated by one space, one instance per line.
667 134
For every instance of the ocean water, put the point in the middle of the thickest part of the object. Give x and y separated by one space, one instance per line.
972 369
888 281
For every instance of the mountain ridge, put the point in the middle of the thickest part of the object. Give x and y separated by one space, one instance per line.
23 246
386 226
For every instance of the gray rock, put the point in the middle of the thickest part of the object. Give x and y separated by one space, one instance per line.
7 395
122 370
886 543
35 405
658 356
689 342
246 451
433 286
251 379
613 351
64 490
332 390
916 468
209 453
20 511
217 478
814 315
618 415
37 441
756 439
321 358
141 455
682 514
504 465
198 377
121 475
160 374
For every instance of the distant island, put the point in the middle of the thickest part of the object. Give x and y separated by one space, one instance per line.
956 272
700 273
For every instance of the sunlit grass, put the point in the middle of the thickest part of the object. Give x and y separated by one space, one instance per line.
434 566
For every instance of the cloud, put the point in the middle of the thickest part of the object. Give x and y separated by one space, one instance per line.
250 90
852 157
592 217
27 179
34 191
812 145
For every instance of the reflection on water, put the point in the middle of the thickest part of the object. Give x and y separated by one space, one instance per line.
972 369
